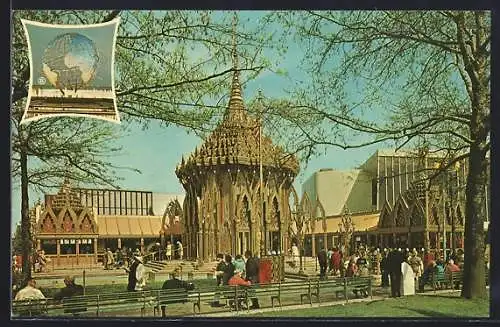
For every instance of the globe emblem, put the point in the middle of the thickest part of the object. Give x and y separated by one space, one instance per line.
70 61
42 80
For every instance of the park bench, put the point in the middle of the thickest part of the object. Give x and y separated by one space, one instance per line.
439 281
273 290
103 304
29 308
342 286
360 285
334 285
303 289
236 297
166 297
457 277
227 294
198 296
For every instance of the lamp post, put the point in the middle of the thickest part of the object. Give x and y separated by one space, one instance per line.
452 193
263 236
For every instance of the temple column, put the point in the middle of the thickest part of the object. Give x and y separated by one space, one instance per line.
205 244
77 250
426 239
313 242
95 250
325 243
208 232
211 239
58 247
281 239
244 242
119 243
216 242
38 244
200 245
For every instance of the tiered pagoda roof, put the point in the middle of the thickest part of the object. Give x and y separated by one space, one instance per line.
235 141
66 196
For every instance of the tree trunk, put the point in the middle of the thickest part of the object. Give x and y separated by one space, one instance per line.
474 285
25 218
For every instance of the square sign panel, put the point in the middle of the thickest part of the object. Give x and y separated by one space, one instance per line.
72 70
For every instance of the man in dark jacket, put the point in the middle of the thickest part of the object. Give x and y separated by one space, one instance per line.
175 283
384 268
252 274
71 289
395 260
132 279
229 269
323 263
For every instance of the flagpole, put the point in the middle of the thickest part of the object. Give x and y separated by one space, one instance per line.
263 238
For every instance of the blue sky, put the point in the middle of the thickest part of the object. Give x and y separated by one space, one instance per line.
157 150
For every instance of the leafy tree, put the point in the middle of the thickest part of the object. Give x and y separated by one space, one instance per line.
171 66
429 70
17 245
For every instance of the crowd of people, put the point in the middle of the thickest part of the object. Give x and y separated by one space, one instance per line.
243 270
388 263
240 270
123 257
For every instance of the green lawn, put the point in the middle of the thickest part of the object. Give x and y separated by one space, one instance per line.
442 306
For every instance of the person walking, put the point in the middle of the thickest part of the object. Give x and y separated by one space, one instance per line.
168 251
329 259
180 250
295 255
136 275
323 263
336 261
110 259
395 259
43 260
417 265
384 268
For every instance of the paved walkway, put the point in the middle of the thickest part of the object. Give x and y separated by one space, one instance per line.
289 307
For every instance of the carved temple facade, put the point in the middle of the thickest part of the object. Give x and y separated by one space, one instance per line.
76 225
224 209
392 202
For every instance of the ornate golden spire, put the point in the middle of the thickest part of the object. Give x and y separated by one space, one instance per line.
236 109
